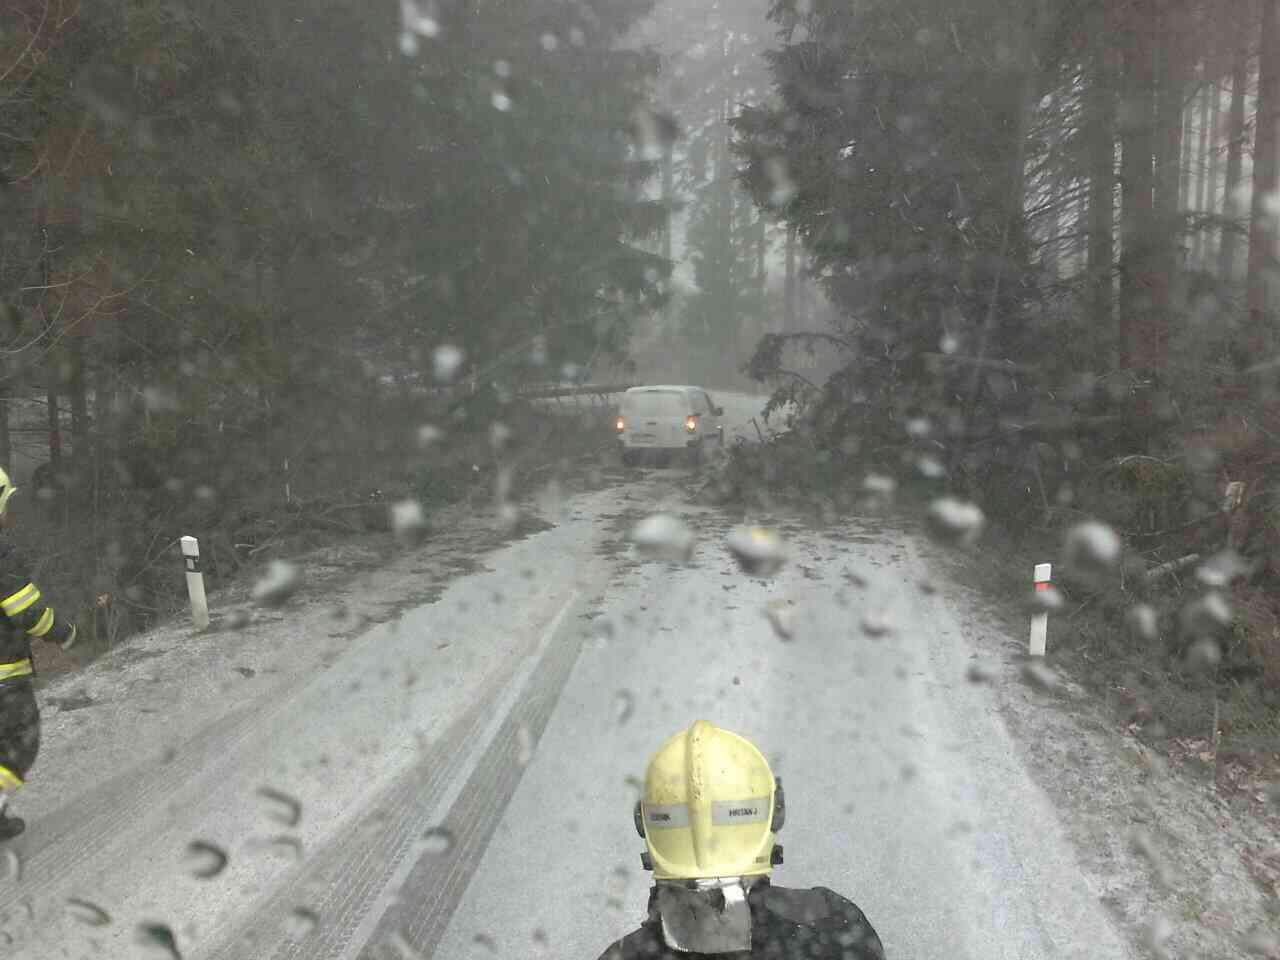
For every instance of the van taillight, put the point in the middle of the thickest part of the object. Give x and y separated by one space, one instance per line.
691 423
621 424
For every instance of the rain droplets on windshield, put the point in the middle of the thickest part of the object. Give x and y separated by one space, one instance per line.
414 415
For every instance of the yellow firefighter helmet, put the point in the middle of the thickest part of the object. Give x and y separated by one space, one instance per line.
710 807
7 490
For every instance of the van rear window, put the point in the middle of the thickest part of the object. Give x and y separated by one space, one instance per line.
658 403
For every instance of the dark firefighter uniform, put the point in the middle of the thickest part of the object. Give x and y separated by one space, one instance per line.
786 924
26 615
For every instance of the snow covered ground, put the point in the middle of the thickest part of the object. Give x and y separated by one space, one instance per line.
436 756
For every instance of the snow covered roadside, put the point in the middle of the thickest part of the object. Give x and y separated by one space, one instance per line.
166 739
1187 873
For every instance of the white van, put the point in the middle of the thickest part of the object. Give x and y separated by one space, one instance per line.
667 419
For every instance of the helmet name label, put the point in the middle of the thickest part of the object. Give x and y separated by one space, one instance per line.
666 815
731 812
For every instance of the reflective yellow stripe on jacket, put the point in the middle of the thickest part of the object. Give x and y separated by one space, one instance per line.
18 668
15 603
43 624
8 779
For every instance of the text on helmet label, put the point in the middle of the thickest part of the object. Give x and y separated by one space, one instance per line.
729 812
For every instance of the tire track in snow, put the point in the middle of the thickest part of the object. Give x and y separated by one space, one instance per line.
345 881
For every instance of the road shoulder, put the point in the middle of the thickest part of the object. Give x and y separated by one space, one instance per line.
1183 871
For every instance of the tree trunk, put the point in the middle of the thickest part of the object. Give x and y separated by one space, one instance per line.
1231 211
55 426
1262 233
1186 177
1170 225
1202 168
6 442
1211 202
789 287
724 223
1079 232
78 398
668 153
668 198
1049 259
1137 142
761 245
1100 118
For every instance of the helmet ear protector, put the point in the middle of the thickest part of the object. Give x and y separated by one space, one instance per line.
776 824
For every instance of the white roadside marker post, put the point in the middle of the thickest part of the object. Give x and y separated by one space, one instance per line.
195 582
1040 621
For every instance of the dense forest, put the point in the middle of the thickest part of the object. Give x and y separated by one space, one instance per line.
1050 229
252 256
237 239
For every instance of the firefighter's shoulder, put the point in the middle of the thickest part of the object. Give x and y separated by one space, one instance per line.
642 944
836 916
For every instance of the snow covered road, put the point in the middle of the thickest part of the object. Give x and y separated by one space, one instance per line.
457 780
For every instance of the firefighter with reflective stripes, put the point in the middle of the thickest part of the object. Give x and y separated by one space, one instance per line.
26 615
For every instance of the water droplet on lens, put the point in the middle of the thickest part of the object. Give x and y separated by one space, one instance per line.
159 938
87 913
301 923
281 581
623 705
408 523
878 623
1045 601
280 807
1207 617
1091 548
204 860
1040 676
918 428
1156 936
931 468
1141 842
781 618
619 878
1222 568
980 673
10 866
880 485
664 537
429 436
954 522
1142 620
499 434
438 841
1204 654
524 741
446 361
759 552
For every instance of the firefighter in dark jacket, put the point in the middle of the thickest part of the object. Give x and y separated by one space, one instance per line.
709 812
26 615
